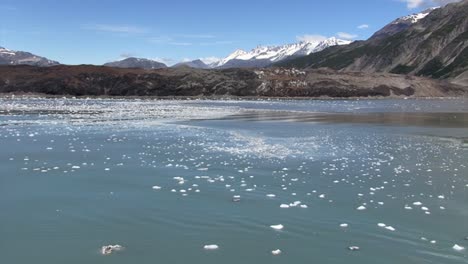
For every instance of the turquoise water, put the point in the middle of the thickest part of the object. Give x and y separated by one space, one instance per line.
78 174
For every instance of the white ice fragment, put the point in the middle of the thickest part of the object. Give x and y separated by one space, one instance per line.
277 227
391 228
276 252
106 250
361 208
156 187
458 247
344 225
417 203
284 206
210 247
381 225
271 195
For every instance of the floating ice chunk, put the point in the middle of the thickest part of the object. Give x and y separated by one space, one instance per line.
391 228
417 203
156 187
441 197
277 227
433 242
210 247
424 208
107 250
353 248
381 225
304 206
322 196
344 225
458 247
276 252
408 207
236 198
361 208
284 206
75 167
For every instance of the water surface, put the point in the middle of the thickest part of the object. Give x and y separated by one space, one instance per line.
78 174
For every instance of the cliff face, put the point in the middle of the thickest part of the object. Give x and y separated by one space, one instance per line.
436 46
273 82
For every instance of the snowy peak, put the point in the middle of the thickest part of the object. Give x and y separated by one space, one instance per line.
11 57
264 54
400 24
414 18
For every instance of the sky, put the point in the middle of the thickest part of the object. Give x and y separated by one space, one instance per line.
100 31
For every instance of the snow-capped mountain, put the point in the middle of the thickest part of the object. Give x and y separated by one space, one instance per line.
402 23
265 55
413 18
132 62
12 57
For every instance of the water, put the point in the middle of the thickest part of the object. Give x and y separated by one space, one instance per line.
78 174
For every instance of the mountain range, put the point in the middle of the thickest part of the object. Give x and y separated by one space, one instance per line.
136 63
433 44
12 57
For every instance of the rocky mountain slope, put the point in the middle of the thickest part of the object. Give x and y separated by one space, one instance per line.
436 46
136 63
12 57
185 81
197 64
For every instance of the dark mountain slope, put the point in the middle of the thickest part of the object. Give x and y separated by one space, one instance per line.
435 46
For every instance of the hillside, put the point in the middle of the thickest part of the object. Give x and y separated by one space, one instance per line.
435 46
184 81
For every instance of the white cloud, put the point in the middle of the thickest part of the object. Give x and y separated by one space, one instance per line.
221 42
127 55
196 36
412 4
167 61
160 39
209 60
311 38
116 28
363 26
344 35
181 43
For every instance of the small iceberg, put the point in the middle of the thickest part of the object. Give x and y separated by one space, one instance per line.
109 249
277 227
458 247
361 208
276 252
354 248
210 247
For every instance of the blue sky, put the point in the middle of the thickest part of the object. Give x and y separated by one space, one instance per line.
99 31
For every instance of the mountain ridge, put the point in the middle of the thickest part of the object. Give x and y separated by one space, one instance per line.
132 62
434 46
12 57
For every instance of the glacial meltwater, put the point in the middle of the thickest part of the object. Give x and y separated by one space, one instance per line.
262 181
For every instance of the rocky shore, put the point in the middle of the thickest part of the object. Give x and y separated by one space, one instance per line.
86 80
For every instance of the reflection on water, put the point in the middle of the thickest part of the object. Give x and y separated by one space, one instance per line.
452 120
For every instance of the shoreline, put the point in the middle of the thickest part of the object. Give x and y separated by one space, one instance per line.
220 98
